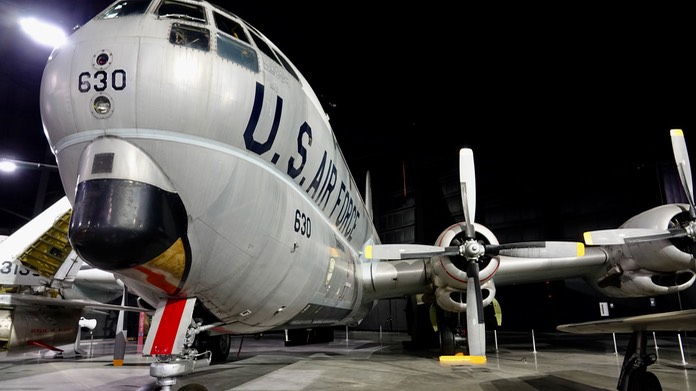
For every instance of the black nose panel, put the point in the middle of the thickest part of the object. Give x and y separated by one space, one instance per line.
119 224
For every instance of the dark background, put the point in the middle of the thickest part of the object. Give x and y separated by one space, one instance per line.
568 112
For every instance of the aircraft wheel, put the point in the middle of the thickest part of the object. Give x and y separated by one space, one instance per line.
650 382
150 387
219 346
642 381
447 343
193 387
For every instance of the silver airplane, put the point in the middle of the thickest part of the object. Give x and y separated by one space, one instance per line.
203 171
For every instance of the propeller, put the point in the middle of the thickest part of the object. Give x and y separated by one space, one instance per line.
634 235
474 252
120 339
681 157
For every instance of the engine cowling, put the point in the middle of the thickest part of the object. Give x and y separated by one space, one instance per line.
450 278
651 267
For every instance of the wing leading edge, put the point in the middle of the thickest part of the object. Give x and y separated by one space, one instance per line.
684 320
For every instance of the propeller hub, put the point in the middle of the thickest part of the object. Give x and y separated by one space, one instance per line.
472 250
691 230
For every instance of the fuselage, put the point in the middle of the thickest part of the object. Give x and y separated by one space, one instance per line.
200 163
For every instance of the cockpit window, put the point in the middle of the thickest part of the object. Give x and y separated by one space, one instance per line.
229 45
230 27
125 8
263 46
233 50
178 10
190 36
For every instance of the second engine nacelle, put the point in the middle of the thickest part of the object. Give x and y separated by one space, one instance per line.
647 264
660 255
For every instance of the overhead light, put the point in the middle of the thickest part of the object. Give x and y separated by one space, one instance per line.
43 33
10 165
7 166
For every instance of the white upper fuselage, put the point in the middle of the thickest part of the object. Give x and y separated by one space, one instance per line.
275 219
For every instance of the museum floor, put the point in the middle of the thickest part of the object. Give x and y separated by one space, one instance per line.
370 361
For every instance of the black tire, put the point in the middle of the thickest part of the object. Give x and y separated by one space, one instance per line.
447 342
150 387
642 381
219 346
651 382
193 387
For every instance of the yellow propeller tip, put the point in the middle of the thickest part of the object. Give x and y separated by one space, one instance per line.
587 236
368 252
581 249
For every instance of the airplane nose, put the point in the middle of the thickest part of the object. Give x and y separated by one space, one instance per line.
127 215
121 224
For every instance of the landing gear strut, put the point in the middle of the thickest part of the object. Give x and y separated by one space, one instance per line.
634 374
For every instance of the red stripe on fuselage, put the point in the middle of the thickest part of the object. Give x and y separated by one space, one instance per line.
168 326
157 279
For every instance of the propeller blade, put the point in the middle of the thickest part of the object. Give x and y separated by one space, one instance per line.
630 235
467 182
520 249
538 249
407 251
120 339
681 157
475 322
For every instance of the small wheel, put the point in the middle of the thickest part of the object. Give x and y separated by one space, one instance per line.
642 381
150 387
651 382
193 387
447 343
219 346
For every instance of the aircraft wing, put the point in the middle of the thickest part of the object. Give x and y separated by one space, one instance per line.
19 299
31 321
540 266
684 320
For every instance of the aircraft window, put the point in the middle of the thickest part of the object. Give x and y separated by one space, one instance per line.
261 44
277 57
190 36
125 8
176 10
229 26
238 52
287 65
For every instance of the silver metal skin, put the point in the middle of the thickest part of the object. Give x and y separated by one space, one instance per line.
260 239
200 165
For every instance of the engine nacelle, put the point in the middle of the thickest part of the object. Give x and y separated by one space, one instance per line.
450 277
454 300
666 255
646 268
642 283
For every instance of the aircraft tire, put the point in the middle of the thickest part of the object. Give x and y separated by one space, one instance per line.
642 381
447 342
219 346
193 387
150 387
